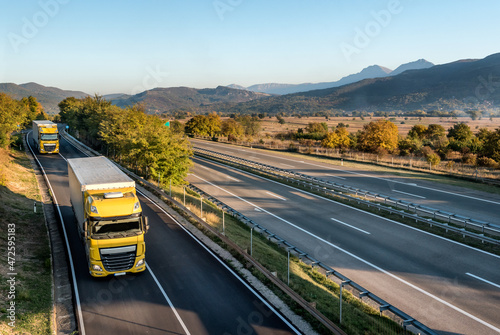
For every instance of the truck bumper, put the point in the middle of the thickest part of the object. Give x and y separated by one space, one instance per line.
103 273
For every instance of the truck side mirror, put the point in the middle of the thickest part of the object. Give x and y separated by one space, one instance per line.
146 224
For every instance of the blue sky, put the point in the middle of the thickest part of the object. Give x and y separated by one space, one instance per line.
130 46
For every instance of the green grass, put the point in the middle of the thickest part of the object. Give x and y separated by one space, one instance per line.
33 296
358 317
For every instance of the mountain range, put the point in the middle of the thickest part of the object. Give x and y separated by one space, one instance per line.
185 98
48 97
462 85
373 71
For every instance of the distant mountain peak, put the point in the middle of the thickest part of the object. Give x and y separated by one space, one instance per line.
416 65
376 67
237 87
369 72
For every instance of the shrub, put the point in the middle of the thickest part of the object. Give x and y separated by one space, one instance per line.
434 159
469 158
487 162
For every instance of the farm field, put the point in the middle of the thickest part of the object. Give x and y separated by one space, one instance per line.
271 127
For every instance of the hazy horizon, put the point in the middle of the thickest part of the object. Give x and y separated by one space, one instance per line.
117 47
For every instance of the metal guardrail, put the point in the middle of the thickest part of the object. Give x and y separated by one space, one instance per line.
402 208
406 320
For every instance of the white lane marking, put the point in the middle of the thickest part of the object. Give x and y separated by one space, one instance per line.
430 295
276 196
348 225
367 213
389 180
334 176
482 279
168 300
251 289
70 257
229 177
204 167
410 194
286 165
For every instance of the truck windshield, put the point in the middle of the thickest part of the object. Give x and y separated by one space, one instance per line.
48 137
116 228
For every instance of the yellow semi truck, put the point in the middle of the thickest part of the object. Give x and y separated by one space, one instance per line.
109 216
46 136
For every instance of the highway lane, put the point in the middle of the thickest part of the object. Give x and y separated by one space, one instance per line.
185 289
426 276
466 202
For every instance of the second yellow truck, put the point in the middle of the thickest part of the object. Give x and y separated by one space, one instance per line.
46 136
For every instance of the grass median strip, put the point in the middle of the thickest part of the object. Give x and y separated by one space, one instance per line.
25 278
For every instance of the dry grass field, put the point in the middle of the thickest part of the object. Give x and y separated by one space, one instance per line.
271 127
32 291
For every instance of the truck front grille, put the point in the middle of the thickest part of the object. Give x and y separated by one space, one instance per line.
49 147
118 259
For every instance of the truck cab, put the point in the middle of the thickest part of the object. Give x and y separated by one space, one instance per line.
46 136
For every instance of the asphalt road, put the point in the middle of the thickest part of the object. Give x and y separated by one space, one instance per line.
449 287
459 200
185 289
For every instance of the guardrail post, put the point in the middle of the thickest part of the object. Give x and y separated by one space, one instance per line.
201 206
184 188
170 188
288 272
251 240
340 300
223 223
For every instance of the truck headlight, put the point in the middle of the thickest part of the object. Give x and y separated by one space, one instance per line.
93 209
140 263
137 206
96 267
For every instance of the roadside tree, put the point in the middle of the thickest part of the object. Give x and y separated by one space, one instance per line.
379 136
337 139
197 125
231 127
13 114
